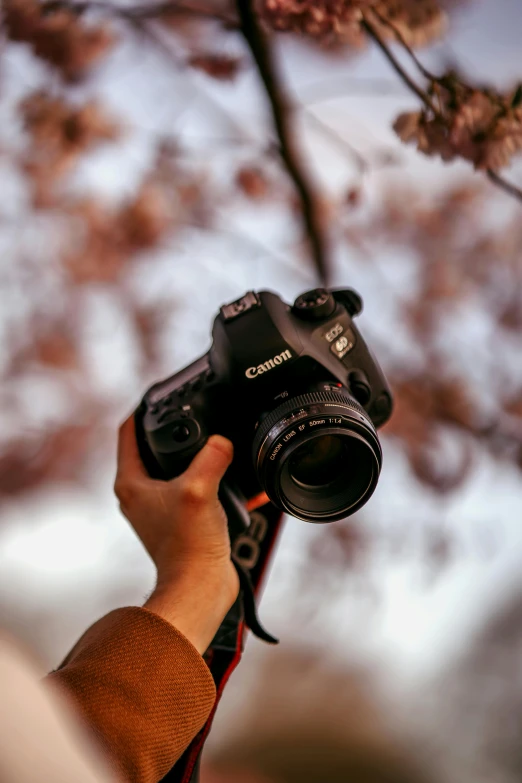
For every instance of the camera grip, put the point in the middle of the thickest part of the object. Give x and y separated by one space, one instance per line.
167 450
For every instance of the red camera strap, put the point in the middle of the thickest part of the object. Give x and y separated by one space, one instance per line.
253 535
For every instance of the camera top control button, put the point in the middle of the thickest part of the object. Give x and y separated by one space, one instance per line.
314 305
247 302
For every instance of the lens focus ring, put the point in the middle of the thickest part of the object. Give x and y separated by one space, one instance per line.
294 403
317 455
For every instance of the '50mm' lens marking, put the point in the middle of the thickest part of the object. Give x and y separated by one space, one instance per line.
311 423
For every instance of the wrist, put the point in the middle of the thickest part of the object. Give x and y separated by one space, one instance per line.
214 582
195 600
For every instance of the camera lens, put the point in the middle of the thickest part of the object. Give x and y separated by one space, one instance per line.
319 461
317 455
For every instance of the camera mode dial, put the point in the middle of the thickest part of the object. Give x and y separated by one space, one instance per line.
314 305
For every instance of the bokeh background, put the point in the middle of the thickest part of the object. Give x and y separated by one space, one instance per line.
143 185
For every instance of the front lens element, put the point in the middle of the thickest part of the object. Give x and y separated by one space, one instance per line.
318 456
337 485
319 461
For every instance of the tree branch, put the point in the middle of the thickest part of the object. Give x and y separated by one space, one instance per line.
333 89
337 139
397 67
493 176
429 75
261 51
151 29
140 15
503 184
401 39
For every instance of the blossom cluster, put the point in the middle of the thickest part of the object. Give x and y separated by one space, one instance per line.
417 21
481 126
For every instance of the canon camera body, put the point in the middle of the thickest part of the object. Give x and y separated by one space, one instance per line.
296 390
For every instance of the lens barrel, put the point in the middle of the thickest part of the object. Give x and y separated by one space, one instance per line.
317 455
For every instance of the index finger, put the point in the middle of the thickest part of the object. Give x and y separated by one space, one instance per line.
130 464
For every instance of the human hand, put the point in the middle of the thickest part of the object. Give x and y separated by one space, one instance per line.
183 527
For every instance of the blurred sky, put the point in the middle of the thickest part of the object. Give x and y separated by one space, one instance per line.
67 556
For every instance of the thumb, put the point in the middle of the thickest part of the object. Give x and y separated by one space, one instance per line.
209 465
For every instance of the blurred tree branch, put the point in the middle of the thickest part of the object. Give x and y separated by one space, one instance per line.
259 45
360 162
60 130
437 115
397 67
150 10
504 185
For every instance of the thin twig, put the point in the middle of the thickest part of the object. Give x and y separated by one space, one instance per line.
333 89
405 76
151 30
336 138
493 176
382 156
259 46
504 185
429 75
401 39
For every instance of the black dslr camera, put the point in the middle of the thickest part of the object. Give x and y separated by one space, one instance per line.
294 388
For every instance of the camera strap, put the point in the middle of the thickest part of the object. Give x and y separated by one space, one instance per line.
252 535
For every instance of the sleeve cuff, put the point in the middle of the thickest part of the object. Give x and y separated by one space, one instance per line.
143 688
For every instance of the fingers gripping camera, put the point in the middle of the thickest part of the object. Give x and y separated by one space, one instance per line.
296 390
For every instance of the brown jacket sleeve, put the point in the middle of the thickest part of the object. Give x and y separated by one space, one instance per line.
143 688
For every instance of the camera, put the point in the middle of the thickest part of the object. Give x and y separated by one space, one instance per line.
296 390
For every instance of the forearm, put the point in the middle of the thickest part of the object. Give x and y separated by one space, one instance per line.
138 675
195 603
142 688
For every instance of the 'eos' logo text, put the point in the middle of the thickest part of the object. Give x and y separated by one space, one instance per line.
253 372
